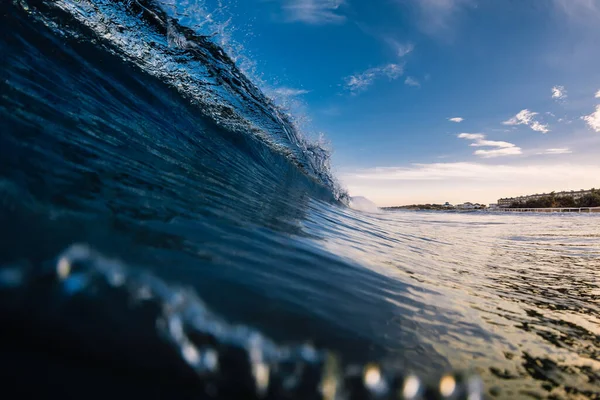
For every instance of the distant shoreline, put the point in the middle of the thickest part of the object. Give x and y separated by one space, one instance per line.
564 210
437 207
429 209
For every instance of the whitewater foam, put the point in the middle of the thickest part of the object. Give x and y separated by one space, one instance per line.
361 203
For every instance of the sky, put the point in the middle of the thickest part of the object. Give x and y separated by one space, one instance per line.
428 101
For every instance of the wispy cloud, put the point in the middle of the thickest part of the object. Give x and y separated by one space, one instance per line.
564 150
316 12
578 11
509 151
438 16
598 94
502 148
559 93
404 49
401 49
456 119
593 120
492 143
360 82
410 81
290 92
467 170
526 117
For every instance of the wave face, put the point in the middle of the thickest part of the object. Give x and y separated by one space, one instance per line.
142 34
167 232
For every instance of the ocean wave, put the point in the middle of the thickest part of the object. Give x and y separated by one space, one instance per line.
143 33
166 232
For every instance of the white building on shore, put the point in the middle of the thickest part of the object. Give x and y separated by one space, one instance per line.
575 194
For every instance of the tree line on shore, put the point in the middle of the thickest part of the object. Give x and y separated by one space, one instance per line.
553 201
418 207
476 206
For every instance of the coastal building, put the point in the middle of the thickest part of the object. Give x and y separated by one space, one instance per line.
505 202
466 206
493 206
575 194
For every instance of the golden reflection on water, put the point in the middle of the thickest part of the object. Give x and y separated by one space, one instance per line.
515 298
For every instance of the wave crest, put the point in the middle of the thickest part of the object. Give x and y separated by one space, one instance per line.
143 33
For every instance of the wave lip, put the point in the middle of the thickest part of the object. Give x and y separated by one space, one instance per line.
144 34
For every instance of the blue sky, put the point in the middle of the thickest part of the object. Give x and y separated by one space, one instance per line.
437 100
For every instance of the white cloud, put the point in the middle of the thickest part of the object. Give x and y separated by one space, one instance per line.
317 12
465 181
456 119
598 94
491 143
290 92
503 148
509 151
593 120
563 150
360 82
410 81
525 117
471 136
539 127
559 92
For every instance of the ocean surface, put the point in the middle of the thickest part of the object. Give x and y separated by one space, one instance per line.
166 231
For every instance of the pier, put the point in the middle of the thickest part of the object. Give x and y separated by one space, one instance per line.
545 210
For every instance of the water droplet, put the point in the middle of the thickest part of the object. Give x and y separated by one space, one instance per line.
330 380
63 268
411 387
372 376
176 328
261 376
474 388
190 354
447 386
116 278
210 360
308 353
373 379
143 293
